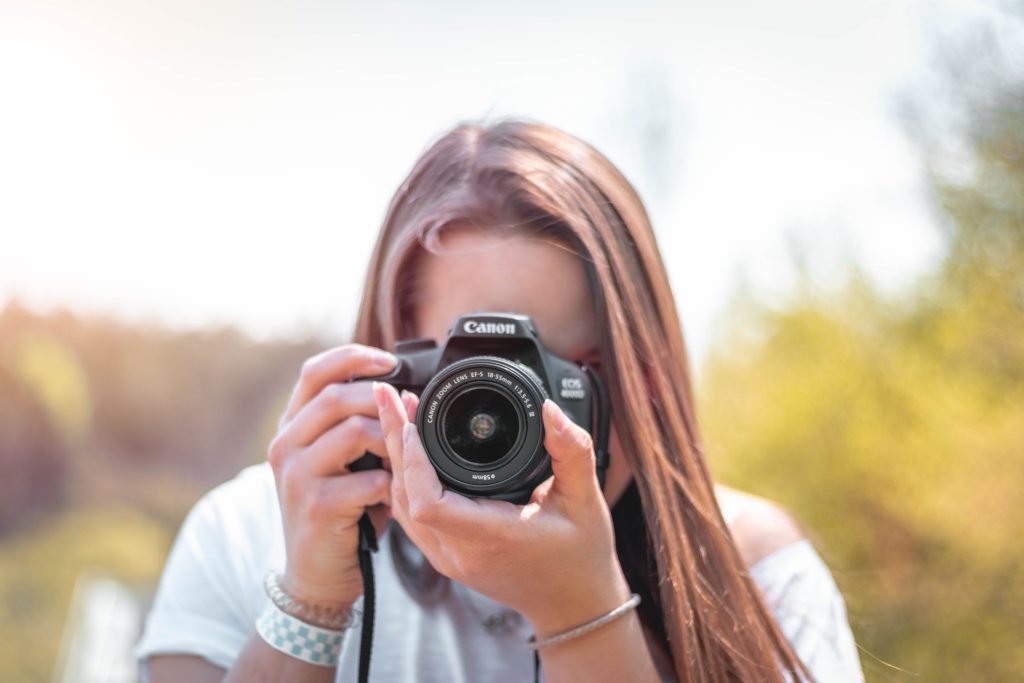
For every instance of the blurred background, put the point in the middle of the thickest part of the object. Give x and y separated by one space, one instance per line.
189 192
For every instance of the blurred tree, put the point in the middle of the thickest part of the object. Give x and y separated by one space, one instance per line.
895 428
969 124
50 369
146 413
33 457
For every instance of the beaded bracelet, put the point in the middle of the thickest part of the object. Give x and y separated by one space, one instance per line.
600 621
315 615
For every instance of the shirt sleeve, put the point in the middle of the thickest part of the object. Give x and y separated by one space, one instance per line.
204 604
799 589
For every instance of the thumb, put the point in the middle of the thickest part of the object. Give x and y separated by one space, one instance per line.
572 452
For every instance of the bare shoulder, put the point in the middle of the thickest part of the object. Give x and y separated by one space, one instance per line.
758 525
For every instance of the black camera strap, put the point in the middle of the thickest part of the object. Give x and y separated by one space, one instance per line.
602 423
368 535
367 546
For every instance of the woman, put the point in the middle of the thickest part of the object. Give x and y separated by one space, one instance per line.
525 218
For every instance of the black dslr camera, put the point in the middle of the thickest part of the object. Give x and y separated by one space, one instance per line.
479 415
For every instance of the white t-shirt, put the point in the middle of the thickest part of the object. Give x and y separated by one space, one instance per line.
211 593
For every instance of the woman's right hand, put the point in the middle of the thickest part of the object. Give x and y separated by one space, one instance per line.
329 423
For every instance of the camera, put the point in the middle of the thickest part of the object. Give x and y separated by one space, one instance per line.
481 392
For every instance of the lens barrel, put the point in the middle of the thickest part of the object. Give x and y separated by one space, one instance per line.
481 426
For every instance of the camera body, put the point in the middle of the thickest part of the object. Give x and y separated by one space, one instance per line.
479 414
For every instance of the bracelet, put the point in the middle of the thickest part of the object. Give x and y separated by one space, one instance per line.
315 615
300 640
535 644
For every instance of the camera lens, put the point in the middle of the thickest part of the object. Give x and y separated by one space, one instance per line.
481 425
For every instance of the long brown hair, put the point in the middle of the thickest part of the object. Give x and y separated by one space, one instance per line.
528 176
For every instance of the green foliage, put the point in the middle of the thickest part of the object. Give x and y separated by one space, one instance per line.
895 429
904 461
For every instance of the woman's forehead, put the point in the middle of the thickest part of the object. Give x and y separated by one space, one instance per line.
476 271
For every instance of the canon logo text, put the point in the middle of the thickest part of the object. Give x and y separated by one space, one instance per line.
475 327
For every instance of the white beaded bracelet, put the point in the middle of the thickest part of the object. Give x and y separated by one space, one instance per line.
296 638
317 615
600 621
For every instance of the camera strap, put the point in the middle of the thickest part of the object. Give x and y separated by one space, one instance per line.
367 546
601 423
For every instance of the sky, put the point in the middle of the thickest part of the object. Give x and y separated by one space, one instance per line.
194 163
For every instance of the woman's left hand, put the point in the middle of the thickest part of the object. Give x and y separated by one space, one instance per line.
553 559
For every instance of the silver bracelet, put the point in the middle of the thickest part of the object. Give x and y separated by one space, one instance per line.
316 615
535 644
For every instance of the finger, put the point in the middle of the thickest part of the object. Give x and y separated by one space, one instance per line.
411 402
334 403
396 420
443 510
572 452
380 515
345 498
427 541
392 416
424 537
422 486
343 444
338 364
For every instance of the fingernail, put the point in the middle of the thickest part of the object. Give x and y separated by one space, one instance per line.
383 358
406 394
407 432
378 394
558 416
